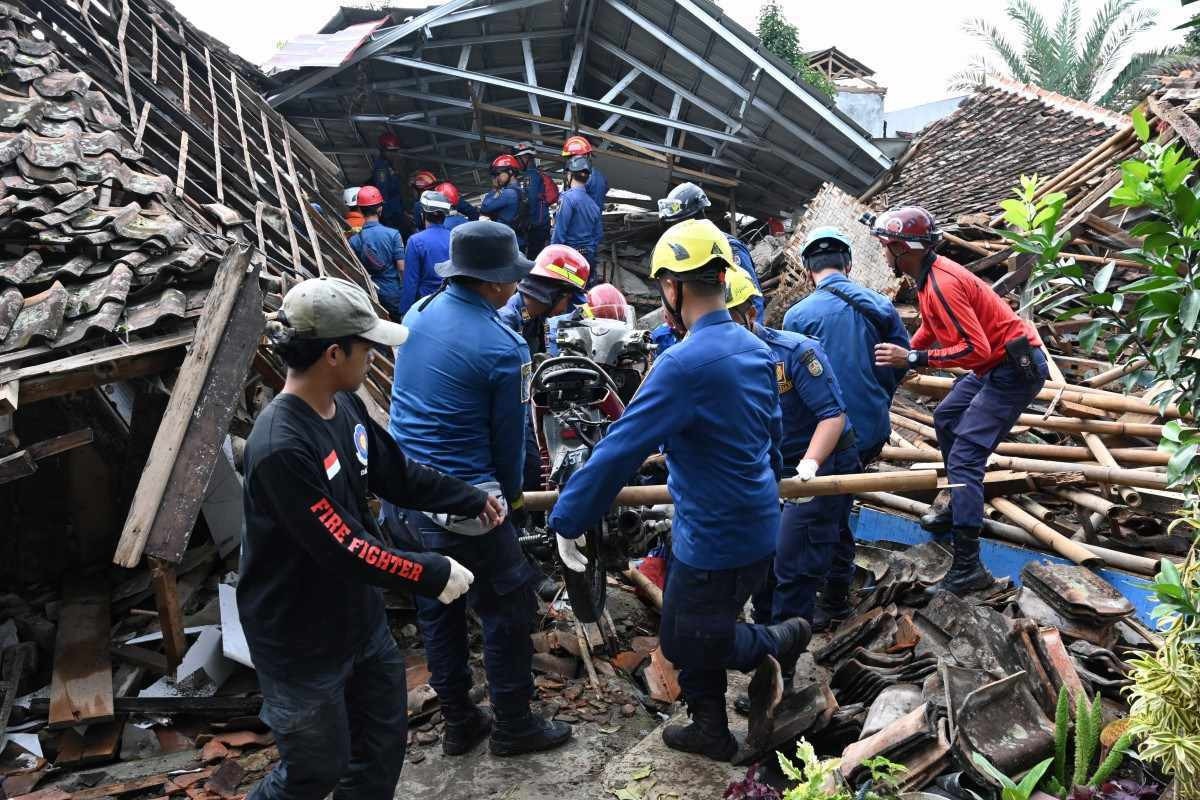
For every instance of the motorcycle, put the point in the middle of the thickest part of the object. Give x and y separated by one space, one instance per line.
576 395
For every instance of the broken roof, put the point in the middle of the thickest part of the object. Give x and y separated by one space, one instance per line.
967 162
669 91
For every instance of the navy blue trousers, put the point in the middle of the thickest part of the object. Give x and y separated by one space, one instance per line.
971 420
815 544
700 632
535 241
502 595
340 728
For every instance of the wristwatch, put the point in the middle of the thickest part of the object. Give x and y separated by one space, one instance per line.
916 358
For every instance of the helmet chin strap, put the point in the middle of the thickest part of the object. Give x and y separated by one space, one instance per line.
741 319
674 313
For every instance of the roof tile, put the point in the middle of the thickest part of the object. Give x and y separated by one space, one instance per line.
41 317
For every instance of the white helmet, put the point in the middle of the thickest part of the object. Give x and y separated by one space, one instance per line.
350 196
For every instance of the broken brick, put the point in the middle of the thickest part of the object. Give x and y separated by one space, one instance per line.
215 750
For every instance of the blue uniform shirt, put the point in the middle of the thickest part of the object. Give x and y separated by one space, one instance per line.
379 247
741 257
663 337
539 211
532 329
385 179
808 390
461 385
578 223
425 250
502 205
722 448
849 339
597 187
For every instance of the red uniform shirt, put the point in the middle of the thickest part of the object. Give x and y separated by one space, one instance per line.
970 321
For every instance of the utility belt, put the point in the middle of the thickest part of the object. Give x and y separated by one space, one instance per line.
1020 354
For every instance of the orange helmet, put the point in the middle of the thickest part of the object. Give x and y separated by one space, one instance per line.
449 191
557 262
576 146
607 302
423 179
505 161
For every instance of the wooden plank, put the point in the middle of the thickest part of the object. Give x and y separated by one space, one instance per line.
141 657
181 171
170 611
99 744
60 444
283 204
58 385
104 355
216 127
206 707
81 689
9 397
218 307
16 465
208 424
12 666
303 203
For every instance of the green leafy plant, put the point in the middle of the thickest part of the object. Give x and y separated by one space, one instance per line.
1059 55
817 779
783 39
1010 789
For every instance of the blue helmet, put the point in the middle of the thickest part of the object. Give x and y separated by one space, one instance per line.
825 239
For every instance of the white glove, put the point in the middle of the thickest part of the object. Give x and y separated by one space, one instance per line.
807 469
457 584
568 551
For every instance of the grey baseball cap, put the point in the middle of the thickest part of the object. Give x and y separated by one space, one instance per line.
330 308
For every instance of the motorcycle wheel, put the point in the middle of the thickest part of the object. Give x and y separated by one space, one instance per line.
587 590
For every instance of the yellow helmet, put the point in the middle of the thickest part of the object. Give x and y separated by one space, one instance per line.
739 288
690 246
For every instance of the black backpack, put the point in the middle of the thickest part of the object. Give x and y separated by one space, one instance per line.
521 221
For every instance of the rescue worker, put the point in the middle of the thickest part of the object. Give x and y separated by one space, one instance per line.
354 218
425 250
421 181
314 562
814 540
504 202
541 193
385 178
597 184
380 249
577 223
551 288
458 405
688 201
978 331
465 212
849 320
724 464
603 301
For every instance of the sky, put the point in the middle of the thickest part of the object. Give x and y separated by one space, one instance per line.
914 47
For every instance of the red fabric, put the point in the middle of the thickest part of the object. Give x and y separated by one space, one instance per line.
970 321
655 568
775 226
549 190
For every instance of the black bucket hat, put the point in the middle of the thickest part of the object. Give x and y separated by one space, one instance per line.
486 251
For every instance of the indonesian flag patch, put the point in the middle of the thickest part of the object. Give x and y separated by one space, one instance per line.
332 465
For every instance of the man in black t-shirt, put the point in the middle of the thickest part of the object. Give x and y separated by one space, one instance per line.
314 561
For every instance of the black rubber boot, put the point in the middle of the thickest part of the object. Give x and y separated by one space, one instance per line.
833 607
967 573
938 520
527 733
791 637
464 730
708 733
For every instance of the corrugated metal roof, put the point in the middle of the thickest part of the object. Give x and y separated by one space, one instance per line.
674 87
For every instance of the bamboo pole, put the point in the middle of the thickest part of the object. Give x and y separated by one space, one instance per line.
1115 476
1048 537
1108 401
912 425
1102 379
1012 533
1129 455
789 488
648 587
1038 510
1101 427
1094 502
1128 494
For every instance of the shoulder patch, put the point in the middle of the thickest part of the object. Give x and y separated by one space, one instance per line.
782 378
813 364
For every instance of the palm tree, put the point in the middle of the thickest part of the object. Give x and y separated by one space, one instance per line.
1054 57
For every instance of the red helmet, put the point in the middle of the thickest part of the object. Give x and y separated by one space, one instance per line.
389 141
576 146
505 161
524 150
607 302
369 196
423 179
561 263
912 225
449 191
